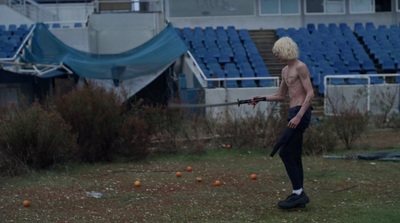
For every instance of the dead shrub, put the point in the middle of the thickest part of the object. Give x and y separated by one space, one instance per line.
34 138
133 140
319 139
348 125
95 115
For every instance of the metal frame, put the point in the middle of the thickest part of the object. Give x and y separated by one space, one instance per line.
361 76
206 79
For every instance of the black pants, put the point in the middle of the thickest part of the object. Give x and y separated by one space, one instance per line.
291 149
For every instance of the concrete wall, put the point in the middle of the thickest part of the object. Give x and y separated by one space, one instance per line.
257 21
76 38
221 95
344 97
116 33
72 11
9 16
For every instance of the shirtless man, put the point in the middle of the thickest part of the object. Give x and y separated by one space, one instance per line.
296 81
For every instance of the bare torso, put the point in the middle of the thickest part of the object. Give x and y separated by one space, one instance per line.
290 75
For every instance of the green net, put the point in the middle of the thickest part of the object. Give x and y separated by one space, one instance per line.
150 57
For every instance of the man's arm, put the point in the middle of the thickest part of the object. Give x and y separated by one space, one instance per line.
279 96
304 76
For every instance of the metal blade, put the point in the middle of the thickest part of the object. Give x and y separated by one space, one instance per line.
174 105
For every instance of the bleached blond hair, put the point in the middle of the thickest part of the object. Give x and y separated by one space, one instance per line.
286 48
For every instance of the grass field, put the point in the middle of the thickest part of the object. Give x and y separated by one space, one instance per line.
339 190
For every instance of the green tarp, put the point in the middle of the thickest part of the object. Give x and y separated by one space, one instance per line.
148 58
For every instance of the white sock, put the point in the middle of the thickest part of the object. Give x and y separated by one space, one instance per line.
298 191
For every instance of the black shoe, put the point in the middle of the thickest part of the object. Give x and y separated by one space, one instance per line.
295 201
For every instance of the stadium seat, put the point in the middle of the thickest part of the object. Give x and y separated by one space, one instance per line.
262 72
231 84
310 27
230 65
337 81
12 28
56 25
224 58
369 26
232 73
243 66
78 25
377 80
249 83
210 33
354 65
357 81
267 83
244 34
247 72
368 65
388 65
210 59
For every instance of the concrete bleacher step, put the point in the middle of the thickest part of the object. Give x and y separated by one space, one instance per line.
264 40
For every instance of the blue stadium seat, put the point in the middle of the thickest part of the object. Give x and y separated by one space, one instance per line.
244 34
310 27
357 81
377 80
249 83
231 84
224 58
267 83
12 27
56 25
388 65
240 59
244 65
354 65
368 65
262 72
369 26
337 81
232 73
259 65
210 59
213 51
247 72
210 33
78 25
397 79
214 67
228 66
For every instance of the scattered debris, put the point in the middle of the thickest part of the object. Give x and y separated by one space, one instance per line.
384 156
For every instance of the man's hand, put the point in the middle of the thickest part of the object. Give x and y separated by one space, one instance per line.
294 122
253 102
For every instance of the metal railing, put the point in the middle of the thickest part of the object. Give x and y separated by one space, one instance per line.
32 10
128 6
328 78
208 79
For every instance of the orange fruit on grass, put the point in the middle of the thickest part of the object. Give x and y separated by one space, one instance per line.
189 168
26 203
198 179
217 183
178 174
253 176
228 146
137 183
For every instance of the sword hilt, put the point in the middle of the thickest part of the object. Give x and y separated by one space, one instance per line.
246 101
